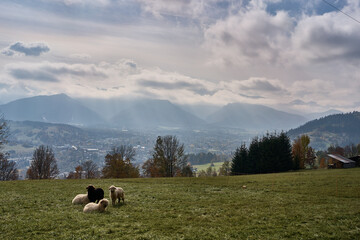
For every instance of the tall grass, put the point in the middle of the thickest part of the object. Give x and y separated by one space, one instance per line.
321 204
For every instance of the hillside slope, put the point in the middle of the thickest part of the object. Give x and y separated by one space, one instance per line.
155 113
254 117
338 129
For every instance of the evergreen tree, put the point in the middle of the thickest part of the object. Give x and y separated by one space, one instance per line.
255 156
285 159
239 160
272 153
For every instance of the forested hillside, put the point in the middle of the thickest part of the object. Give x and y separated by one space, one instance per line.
339 129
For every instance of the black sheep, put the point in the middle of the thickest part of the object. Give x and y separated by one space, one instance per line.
95 194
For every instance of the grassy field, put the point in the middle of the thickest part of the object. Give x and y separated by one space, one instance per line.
217 165
318 204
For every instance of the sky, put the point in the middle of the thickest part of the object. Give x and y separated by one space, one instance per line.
293 55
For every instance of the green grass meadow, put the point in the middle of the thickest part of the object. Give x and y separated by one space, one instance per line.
217 166
317 204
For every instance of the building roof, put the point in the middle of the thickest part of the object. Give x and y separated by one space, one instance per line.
355 158
341 158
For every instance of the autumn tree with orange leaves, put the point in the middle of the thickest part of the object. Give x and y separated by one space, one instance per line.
118 163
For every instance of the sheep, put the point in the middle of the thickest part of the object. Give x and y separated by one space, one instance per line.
95 194
116 193
80 199
96 207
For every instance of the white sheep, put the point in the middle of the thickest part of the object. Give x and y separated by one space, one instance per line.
116 193
81 199
96 207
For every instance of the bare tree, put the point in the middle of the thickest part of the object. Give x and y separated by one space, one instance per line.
127 152
225 169
168 158
76 174
8 169
4 131
43 165
90 168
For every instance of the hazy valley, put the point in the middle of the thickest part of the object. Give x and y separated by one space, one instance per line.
85 129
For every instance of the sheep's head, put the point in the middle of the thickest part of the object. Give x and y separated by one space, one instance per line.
112 188
104 203
90 187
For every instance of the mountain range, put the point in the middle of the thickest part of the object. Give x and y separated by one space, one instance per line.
51 109
147 114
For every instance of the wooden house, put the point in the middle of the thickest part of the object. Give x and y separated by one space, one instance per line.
338 161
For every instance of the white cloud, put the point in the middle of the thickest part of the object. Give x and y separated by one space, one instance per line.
256 55
172 7
83 2
81 56
202 12
329 37
252 35
47 71
126 78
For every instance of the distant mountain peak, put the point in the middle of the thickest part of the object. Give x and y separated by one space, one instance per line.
254 117
58 108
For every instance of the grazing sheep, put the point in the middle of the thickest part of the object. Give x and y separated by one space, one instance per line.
96 207
244 187
80 199
116 193
95 194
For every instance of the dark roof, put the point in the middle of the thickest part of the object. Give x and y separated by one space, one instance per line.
355 158
341 158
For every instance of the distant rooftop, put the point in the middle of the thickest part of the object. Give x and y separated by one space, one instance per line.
341 158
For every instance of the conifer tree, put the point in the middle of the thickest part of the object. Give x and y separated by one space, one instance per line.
255 156
239 160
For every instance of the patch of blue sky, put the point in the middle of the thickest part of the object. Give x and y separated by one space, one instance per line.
299 7
112 13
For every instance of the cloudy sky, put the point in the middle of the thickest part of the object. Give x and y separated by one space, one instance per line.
288 54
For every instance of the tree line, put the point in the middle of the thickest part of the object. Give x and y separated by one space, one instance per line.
203 158
268 154
271 153
168 160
